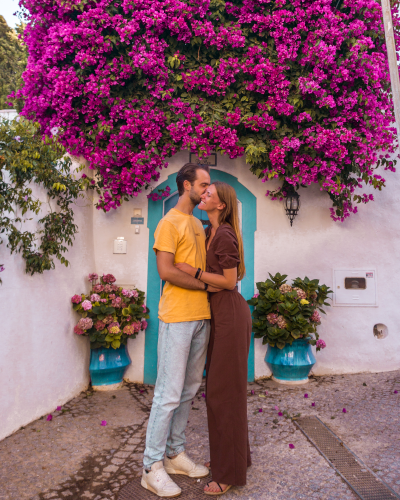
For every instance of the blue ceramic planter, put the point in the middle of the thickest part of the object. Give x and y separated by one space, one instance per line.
107 366
292 364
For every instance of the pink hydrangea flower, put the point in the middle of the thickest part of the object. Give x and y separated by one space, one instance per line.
272 318
78 330
315 317
108 278
281 322
320 344
87 305
108 319
76 299
98 288
144 324
117 302
93 277
301 294
99 325
129 329
95 298
85 323
137 326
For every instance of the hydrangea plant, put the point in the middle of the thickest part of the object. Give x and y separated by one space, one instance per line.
110 314
283 313
300 87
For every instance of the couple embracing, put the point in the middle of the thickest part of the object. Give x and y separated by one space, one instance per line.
201 315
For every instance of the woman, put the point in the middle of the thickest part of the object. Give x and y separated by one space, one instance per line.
226 382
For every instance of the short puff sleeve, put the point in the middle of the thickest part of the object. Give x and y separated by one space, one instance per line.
226 247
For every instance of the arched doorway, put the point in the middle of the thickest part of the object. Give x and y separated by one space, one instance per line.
157 209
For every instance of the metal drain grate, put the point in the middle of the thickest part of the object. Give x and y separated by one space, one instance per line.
366 484
191 489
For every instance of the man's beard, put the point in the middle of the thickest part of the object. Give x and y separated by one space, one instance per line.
194 197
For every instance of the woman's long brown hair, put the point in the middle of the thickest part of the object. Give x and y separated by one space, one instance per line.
230 215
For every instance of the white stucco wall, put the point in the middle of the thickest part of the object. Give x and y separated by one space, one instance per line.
42 362
313 247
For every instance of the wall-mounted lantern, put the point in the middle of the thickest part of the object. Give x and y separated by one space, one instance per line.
292 202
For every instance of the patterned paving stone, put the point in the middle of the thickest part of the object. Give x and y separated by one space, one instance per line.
74 457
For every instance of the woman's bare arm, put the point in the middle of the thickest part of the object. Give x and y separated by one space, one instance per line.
226 282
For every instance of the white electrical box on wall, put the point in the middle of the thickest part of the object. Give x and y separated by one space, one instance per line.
120 245
354 287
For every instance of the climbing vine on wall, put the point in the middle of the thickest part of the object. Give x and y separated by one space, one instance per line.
25 161
301 88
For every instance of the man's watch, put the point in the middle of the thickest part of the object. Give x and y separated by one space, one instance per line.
205 286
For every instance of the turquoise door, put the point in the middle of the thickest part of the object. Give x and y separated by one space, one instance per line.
157 209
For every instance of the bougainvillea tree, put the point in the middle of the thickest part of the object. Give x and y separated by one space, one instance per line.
301 88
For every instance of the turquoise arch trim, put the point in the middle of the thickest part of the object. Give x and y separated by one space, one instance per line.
155 213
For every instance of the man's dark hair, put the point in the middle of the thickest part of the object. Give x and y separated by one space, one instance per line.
188 173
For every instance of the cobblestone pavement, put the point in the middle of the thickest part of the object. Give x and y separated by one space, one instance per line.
74 457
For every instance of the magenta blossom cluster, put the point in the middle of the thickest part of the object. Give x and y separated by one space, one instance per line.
301 88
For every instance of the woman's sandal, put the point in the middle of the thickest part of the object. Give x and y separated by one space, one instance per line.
217 492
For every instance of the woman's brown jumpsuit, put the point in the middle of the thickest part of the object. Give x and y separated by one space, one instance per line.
226 375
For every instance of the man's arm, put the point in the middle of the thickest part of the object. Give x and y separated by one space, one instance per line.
168 272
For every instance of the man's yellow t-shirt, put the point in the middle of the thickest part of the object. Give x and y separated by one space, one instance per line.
183 235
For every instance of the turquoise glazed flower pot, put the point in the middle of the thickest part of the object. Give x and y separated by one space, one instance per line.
292 364
107 367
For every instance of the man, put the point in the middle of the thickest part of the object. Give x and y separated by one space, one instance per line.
184 330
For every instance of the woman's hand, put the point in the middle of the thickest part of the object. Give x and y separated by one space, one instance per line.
186 268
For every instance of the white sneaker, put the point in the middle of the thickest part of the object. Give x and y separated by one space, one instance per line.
182 464
158 482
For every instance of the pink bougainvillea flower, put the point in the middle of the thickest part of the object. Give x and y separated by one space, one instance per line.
276 408
394 392
49 418
252 392
141 390
266 393
260 410
306 395
80 65
344 410
256 295
312 404
103 423
291 446
203 395
280 414
59 408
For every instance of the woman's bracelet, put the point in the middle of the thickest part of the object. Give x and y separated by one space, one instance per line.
197 273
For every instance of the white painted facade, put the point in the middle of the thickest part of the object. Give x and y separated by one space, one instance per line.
315 246
43 363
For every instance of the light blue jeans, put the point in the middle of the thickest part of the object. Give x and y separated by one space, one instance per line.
182 349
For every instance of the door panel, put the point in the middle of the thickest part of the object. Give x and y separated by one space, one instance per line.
156 210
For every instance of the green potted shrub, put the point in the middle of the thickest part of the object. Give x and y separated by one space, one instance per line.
286 317
110 316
